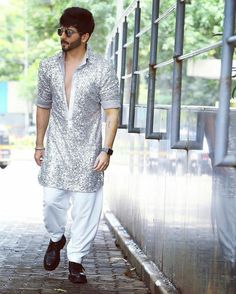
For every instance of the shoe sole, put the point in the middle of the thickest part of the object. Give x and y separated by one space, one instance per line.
74 279
55 266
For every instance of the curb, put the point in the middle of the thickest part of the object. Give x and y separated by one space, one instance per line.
146 269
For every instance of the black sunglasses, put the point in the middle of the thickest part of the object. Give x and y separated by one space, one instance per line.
68 32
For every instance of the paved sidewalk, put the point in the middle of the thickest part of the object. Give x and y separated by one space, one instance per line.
22 247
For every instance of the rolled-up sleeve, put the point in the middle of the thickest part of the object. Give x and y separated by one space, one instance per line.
44 95
109 88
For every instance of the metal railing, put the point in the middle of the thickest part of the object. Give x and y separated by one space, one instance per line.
222 156
134 78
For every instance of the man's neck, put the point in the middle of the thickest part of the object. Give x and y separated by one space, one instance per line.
76 54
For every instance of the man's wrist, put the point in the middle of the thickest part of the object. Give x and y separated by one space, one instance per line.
107 150
39 148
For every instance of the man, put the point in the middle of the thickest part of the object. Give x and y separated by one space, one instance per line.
72 87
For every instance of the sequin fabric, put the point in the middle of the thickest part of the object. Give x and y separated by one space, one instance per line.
74 135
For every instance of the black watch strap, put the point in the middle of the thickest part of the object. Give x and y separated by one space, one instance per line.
108 150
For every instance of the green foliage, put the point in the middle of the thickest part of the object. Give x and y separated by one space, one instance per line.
200 91
28 82
203 20
11 41
28 34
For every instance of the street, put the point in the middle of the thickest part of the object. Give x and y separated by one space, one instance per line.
23 241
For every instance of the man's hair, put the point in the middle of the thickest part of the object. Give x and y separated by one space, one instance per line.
80 18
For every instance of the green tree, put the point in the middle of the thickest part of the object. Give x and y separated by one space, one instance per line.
28 34
204 19
12 40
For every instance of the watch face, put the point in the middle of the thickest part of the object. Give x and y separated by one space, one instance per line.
109 151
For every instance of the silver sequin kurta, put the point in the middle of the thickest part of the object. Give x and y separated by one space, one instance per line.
74 136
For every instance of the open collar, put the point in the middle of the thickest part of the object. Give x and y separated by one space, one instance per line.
88 57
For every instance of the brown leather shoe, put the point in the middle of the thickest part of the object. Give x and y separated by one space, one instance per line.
52 255
77 274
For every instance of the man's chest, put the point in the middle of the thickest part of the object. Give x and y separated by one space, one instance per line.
68 77
82 83
69 71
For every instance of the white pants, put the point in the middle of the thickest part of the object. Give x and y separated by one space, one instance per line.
85 213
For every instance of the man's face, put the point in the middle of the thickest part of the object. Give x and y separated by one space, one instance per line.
70 38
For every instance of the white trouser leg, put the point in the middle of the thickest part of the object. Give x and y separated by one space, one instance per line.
85 213
55 206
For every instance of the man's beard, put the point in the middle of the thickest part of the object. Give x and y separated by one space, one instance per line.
72 45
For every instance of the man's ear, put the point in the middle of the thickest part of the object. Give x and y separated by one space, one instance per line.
85 37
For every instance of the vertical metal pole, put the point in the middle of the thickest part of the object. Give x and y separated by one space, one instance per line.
112 50
152 70
119 12
116 50
177 74
122 72
133 93
200 128
222 121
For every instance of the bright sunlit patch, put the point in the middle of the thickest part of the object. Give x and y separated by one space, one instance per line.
4 2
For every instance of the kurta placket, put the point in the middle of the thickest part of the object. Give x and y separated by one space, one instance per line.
69 107
74 136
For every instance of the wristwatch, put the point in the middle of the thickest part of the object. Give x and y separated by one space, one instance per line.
108 150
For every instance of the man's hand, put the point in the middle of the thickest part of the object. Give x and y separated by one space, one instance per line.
102 162
38 156
42 119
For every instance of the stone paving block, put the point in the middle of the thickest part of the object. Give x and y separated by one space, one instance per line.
22 247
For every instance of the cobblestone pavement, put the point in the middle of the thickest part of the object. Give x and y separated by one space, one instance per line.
22 247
